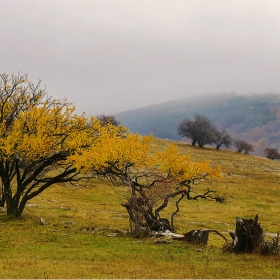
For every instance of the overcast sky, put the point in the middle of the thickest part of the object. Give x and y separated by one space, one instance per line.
108 56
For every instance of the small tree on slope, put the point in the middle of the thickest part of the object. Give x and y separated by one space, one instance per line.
222 139
242 145
271 153
200 131
152 178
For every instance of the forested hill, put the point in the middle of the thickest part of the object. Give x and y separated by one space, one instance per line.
248 117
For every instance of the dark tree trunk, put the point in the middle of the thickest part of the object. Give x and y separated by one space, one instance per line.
139 217
14 207
8 199
15 204
177 210
248 235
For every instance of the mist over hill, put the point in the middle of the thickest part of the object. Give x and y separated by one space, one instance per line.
253 118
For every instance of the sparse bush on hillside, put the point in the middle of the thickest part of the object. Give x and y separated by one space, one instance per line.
108 119
200 131
222 138
242 145
271 153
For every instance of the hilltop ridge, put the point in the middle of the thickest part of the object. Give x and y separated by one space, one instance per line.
253 118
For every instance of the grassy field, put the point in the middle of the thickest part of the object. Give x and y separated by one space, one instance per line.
75 243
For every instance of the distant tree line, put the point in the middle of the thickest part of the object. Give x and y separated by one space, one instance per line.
271 153
242 145
253 118
201 131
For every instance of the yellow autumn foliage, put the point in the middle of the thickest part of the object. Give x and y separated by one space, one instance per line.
109 148
42 131
110 151
181 168
45 128
39 134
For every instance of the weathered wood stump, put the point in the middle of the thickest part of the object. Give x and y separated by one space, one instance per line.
248 235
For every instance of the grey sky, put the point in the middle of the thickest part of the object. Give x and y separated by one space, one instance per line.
109 56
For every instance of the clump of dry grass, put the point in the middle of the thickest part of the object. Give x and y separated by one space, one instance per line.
271 247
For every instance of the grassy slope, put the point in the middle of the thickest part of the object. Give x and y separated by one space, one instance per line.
64 248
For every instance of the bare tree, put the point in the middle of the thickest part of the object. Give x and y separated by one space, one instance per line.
271 153
108 119
187 129
200 131
242 145
222 139
151 188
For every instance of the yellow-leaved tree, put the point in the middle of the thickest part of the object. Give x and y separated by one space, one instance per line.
37 136
152 178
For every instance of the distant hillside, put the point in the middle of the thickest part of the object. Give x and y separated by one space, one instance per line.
249 117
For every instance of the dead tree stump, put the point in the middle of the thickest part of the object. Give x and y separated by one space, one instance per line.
248 235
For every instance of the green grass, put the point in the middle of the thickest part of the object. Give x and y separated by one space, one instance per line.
64 248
